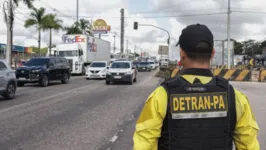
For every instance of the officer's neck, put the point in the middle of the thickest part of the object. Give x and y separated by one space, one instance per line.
197 65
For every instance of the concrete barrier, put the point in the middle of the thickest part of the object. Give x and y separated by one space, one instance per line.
262 76
233 74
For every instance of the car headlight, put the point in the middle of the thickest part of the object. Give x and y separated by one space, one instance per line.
103 71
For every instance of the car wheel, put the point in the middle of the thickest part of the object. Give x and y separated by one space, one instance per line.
44 81
10 91
131 81
87 78
20 84
65 79
83 71
107 82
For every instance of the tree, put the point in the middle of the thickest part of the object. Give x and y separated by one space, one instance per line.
73 29
36 19
85 26
50 22
136 54
238 49
251 47
81 27
36 50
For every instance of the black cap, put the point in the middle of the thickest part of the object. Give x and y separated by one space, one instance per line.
194 34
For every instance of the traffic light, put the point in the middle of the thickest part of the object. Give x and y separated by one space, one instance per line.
135 25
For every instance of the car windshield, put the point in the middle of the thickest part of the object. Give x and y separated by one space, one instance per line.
120 65
2 66
98 64
144 63
135 63
68 53
151 62
37 62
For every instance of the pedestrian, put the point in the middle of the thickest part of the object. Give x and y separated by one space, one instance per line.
195 110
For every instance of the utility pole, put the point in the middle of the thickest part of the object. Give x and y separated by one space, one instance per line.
9 32
122 31
77 10
114 41
228 35
222 52
127 47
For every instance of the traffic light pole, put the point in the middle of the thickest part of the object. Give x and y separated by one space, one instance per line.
168 41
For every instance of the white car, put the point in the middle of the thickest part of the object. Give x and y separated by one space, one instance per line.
153 65
97 69
8 81
121 71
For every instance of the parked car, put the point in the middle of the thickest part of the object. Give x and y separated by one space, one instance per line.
144 66
8 83
42 70
136 63
97 69
121 71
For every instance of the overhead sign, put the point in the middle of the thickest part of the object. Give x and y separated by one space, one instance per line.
163 50
100 26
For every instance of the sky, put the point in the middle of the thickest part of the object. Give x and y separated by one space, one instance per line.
247 20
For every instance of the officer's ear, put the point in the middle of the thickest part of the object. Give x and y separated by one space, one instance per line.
182 54
213 53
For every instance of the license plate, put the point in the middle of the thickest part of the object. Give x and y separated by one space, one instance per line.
117 77
143 68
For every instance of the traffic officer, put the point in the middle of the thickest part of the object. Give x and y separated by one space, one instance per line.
196 111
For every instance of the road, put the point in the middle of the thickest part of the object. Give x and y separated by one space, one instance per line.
87 114
84 114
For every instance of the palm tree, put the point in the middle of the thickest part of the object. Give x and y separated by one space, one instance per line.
37 19
85 26
50 23
73 29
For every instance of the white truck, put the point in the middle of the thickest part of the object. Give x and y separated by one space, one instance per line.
81 50
164 61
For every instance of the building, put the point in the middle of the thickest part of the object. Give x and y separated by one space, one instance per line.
15 50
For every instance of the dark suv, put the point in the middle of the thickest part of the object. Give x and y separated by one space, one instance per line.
43 70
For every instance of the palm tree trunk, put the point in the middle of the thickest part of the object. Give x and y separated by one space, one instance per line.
50 42
39 42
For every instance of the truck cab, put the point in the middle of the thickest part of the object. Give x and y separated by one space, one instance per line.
74 54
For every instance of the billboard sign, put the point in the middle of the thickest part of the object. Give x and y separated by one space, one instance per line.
163 50
100 27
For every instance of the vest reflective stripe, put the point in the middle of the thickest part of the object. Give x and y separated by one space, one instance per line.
201 132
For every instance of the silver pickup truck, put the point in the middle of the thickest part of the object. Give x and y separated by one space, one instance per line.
8 83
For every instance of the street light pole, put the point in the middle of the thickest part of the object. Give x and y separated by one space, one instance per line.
77 10
168 41
228 36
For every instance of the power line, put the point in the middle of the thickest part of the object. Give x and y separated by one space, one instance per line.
256 12
24 27
176 16
173 11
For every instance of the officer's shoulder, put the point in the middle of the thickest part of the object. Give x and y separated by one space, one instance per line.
170 81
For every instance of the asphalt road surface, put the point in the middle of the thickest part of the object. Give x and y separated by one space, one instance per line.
89 115
82 115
